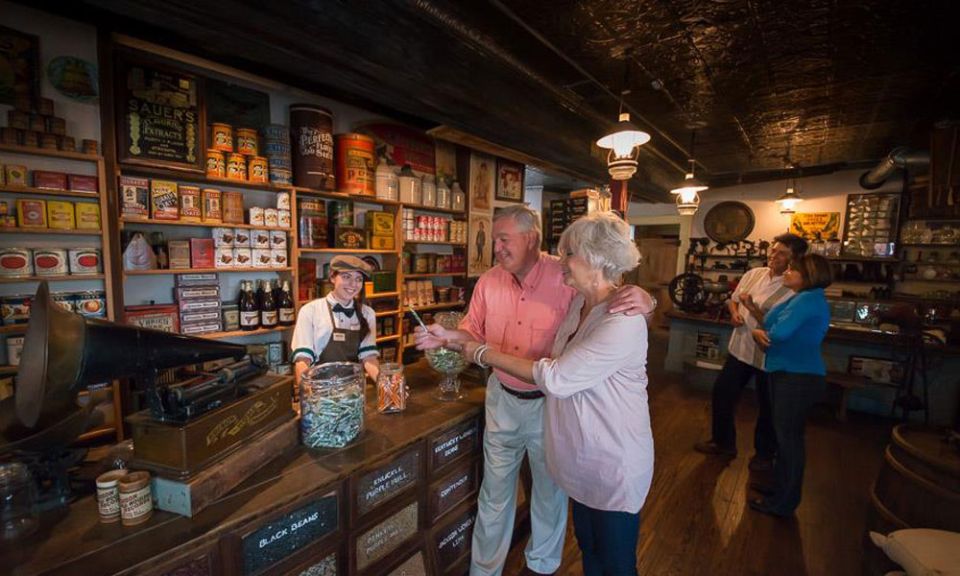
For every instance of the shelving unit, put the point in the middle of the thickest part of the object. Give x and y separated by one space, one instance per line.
242 333
30 191
55 231
70 278
129 222
171 271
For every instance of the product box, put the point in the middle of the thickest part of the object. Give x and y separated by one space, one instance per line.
201 252
88 215
223 257
349 237
262 258
199 279
243 257
212 207
163 317
31 213
203 328
16 175
207 316
178 252
164 200
241 238
81 183
278 258
49 180
379 223
223 237
197 305
60 215
375 242
182 293
233 207
191 209
341 213
231 316
278 240
134 198
306 279
384 281
260 239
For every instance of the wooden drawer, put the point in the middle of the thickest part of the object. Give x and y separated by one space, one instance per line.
452 445
384 481
459 485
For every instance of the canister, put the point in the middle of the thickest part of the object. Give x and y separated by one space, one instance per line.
260 239
356 173
90 146
233 207
257 169
409 186
136 499
16 262
278 239
428 191
223 257
216 164
247 141
271 217
255 214
243 257
50 262
278 258
236 167
14 349
283 200
223 237
262 258
221 137
458 200
443 194
242 238
331 404
311 138
108 495
283 218
83 261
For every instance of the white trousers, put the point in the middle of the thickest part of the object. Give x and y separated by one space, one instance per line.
515 426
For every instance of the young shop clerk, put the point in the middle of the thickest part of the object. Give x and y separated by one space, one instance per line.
338 327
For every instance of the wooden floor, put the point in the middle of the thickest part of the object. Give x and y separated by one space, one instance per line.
696 521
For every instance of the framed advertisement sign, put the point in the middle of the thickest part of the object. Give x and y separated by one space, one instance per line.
160 115
509 181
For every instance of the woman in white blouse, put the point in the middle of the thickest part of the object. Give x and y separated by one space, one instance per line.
599 446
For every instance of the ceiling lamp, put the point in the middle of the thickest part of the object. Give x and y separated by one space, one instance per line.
623 142
688 191
789 200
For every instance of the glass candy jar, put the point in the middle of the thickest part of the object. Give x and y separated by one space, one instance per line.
331 404
391 388
458 200
18 506
449 363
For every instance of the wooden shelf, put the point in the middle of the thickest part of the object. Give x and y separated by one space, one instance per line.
73 278
390 338
8 370
199 270
932 246
51 231
932 281
239 333
436 243
345 197
13 329
860 259
434 275
383 295
387 313
124 222
45 192
441 306
199 178
49 153
344 251
435 209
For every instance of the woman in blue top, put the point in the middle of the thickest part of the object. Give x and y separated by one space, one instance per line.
792 333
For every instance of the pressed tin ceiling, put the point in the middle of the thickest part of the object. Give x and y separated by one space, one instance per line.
824 84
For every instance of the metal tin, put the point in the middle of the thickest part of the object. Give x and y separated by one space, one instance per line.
236 167
356 164
274 352
65 300
241 238
14 349
283 218
50 262
270 217
278 239
221 137
49 141
280 176
283 201
260 239
257 169
223 257
311 137
233 207
108 495
224 237
243 257
16 308
90 146
16 262
256 216
278 258
92 303
84 261
45 106
262 258
212 205
68 144
247 141
231 317
136 498
216 164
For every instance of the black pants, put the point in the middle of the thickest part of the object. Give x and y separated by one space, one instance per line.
793 395
607 540
726 393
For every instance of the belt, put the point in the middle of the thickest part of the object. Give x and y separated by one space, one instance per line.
533 395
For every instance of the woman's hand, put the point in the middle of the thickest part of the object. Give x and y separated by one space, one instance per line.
467 349
632 300
762 338
434 337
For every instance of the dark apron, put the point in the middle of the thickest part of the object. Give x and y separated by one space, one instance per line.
344 345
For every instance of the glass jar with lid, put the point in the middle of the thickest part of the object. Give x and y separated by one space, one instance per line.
392 390
428 191
387 182
443 193
449 363
458 200
331 404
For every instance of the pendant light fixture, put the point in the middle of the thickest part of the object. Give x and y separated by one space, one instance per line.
688 191
789 200
625 139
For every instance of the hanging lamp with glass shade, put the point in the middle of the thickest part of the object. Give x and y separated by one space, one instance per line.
624 143
788 200
688 191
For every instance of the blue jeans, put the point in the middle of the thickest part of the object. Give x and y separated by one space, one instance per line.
608 540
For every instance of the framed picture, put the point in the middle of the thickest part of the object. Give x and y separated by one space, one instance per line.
816 225
509 181
482 172
878 370
160 115
19 66
480 244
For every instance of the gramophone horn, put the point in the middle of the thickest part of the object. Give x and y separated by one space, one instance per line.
64 352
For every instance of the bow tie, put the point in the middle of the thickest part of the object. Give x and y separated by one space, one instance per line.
348 312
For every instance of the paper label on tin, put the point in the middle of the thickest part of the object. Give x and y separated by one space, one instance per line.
108 501
135 504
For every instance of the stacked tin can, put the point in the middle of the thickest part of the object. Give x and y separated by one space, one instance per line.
276 147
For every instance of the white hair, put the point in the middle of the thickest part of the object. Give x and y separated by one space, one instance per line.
603 240
526 218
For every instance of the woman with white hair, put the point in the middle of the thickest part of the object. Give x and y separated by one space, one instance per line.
598 442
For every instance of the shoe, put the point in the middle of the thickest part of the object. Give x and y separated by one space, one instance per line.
763 506
528 572
760 464
763 488
715 449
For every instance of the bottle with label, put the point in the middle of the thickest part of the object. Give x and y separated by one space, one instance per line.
159 246
288 313
249 310
268 306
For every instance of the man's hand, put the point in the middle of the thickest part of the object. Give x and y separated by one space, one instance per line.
435 337
467 349
762 338
632 300
735 318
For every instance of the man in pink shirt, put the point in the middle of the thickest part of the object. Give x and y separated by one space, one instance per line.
517 307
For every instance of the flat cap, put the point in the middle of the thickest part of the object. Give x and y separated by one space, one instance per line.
344 263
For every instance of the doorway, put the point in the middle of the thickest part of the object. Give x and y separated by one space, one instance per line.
659 246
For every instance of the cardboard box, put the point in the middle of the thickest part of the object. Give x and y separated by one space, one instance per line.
349 237
199 279
163 317
201 252
178 251
197 293
81 183
379 223
164 200
375 242
134 198
212 205
88 215
191 209
233 207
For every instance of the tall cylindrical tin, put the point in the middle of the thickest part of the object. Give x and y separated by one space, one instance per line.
311 136
247 141
221 137
356 164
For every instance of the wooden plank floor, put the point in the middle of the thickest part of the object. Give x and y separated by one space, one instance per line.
696 520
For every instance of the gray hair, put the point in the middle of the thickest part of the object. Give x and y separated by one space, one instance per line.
603 240
526 218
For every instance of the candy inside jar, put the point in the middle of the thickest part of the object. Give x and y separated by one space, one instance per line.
392 389
447 362
331 404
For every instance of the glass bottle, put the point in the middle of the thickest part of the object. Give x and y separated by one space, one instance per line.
458 200
268 306
249 310
160 248
443 193
429 191
288 312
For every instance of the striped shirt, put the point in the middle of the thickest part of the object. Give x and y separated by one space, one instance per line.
767 291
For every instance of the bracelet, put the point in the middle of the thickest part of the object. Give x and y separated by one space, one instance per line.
478 355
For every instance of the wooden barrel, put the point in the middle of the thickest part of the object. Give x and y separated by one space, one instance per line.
918 486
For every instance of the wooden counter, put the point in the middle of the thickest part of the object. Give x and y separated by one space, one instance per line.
402 496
